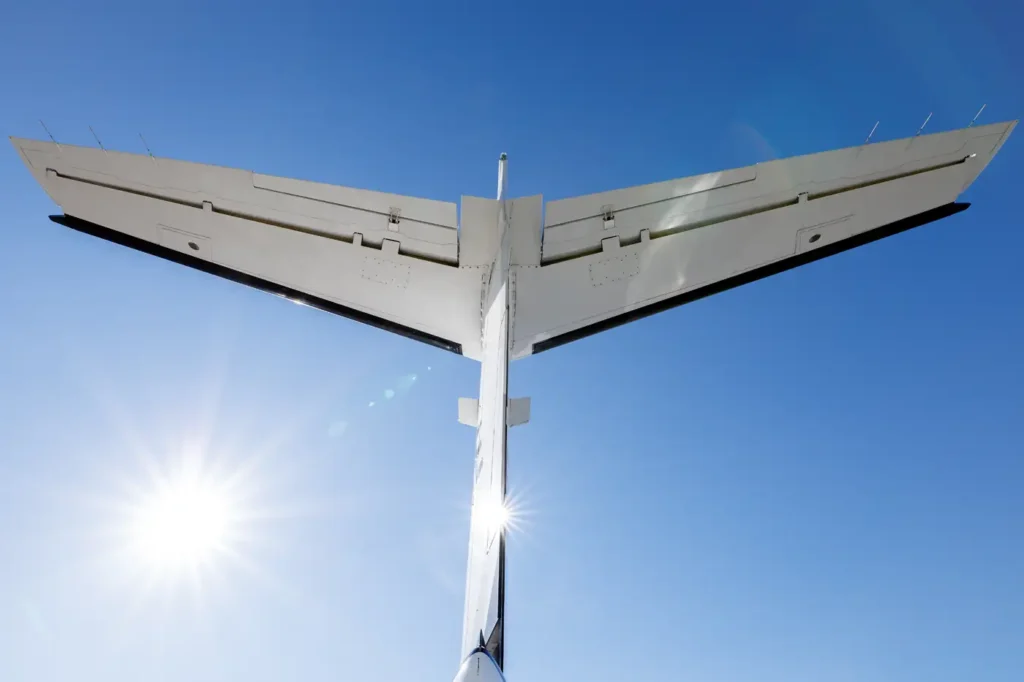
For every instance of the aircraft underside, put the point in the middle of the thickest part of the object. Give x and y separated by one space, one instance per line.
505 278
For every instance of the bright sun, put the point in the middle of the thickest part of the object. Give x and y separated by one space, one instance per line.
185 522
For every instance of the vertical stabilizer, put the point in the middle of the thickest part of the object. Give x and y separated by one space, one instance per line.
483 624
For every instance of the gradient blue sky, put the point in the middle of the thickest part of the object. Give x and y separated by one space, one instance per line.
816 477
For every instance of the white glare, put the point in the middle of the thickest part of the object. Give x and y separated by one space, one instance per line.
185 522
494 514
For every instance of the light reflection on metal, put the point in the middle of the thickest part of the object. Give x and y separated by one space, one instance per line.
540 275
923 124
868 138
977 115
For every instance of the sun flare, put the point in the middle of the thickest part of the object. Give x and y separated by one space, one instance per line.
494 514
184 522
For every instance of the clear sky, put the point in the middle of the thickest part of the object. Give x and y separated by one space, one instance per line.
813 478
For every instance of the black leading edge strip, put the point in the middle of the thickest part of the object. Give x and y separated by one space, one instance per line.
896 227
249 280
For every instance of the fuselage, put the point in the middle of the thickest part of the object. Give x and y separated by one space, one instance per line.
479 667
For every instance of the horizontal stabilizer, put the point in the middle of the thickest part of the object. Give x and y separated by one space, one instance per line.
386 260
617 256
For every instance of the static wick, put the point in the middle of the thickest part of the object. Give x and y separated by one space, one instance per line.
147 148
977 115
923 124
97 139
52 139
868 138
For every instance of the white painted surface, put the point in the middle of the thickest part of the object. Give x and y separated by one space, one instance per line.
469 412
298 234
479 667
497 285
484 571
518 411
706 229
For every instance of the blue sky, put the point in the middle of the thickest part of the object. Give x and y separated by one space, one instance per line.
815 477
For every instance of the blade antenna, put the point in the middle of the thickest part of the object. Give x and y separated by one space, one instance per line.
923 124
977 115
868 138
97 139
50 134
